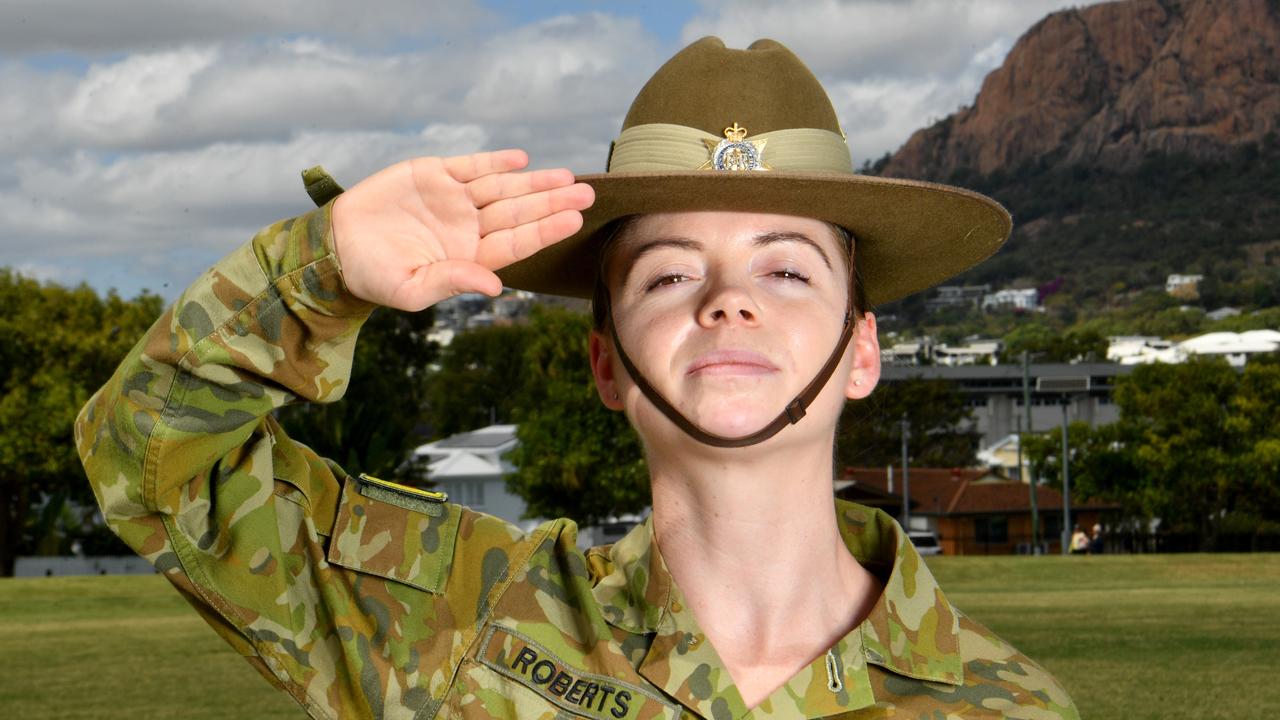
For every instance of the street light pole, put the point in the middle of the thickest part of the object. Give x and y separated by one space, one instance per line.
1065 388
906 475
1066 479
1031 481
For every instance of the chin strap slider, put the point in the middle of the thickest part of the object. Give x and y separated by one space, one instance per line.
795 411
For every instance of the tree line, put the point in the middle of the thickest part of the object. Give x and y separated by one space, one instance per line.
1198 445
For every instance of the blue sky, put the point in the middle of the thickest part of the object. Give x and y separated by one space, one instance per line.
141 140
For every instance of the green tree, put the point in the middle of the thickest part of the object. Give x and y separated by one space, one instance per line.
576 458
480 380
57 346
1046 344
376 425
1103 463
1197 446
943 433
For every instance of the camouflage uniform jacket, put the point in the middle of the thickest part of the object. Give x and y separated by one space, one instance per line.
364 599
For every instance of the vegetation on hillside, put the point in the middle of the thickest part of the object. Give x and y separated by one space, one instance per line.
1100 244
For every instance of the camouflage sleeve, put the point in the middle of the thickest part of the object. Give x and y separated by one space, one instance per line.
334 593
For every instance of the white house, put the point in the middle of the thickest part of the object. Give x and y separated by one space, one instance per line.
1002 456
1016 299
1235 347
469 467
979 352
1141 350
1183 286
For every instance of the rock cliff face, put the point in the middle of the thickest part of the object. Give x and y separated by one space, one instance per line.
1106 84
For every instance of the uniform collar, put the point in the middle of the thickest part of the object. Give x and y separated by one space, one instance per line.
912 630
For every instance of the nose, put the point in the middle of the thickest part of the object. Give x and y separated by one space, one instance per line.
728 303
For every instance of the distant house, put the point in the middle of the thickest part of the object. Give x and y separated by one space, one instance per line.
1024 300
945 296
1141 349
909 353
470 468
978 511
1186 287
1002 457
978 352
1235 348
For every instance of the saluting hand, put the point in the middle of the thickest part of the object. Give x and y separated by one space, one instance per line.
430 228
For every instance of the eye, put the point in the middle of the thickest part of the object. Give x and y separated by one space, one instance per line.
667 279
787 274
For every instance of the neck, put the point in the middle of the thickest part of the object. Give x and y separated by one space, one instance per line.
751 539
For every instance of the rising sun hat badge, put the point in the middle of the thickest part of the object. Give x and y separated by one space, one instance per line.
735 152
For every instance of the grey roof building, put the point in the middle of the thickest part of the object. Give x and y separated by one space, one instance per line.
994 392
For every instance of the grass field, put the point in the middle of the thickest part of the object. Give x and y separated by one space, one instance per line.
1175 636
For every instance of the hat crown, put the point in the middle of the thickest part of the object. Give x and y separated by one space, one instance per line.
709 86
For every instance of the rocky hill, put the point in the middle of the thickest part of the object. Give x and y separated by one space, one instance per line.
1105 85
1130 140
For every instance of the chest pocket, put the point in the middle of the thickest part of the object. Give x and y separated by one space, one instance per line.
529 679
395 532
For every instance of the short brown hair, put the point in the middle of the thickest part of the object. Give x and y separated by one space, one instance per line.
600 309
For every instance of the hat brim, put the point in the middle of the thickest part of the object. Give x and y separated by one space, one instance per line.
911 235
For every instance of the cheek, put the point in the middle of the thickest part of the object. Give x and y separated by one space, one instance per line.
651 338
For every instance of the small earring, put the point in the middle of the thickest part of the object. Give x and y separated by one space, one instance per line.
857 382
615 395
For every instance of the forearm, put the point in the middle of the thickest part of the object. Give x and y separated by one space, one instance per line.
269 324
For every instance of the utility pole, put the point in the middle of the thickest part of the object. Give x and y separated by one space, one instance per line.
906 476
1066 479
1065 388
1031 480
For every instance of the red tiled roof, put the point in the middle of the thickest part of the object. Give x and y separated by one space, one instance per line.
964 491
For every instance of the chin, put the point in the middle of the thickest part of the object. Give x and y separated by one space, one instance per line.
734 418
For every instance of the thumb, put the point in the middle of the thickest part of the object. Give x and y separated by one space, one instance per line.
444 279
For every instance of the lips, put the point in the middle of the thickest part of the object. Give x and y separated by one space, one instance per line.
732 362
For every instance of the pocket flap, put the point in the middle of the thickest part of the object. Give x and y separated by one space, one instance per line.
395 532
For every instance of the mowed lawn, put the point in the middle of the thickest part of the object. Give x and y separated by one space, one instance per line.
1178 636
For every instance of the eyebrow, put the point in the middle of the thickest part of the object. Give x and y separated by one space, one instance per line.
684 243
681 243
770 238
761 240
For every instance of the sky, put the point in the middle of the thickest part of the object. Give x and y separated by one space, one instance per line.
141 140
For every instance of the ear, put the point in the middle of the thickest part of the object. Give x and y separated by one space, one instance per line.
865 371
602 371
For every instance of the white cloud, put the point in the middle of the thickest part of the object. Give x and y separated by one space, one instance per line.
178 129
564 67
41 26
121 103
890 66
220 193
873 38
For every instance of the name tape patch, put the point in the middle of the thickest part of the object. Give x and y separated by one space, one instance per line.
597 696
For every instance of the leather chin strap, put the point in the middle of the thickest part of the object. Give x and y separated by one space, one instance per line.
790 415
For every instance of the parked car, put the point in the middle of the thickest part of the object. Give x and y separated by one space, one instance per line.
926 542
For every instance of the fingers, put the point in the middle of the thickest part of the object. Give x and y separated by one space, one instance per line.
440 280
517 211
465 168
499 186
506 246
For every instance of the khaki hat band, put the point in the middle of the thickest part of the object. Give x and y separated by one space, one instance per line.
662 147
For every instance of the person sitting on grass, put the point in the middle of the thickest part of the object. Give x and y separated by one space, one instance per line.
732 255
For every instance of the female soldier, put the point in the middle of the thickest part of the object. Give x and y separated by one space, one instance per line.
724 247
